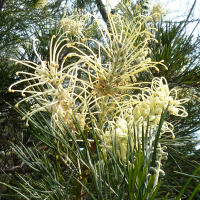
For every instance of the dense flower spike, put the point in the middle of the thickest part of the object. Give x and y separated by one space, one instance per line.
154 100
71 26
46 86
146 109
120 57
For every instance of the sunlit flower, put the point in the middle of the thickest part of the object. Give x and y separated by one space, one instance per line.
116 136
72 26
153 101
113 69
146 111
157 11
48 86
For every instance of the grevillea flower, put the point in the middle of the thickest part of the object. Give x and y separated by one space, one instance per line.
113 64
116 136
72 26
102 75
148 105
49 86
155 99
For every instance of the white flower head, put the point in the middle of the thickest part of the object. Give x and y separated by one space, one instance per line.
117 133
51 86
157 11
72 26
154 100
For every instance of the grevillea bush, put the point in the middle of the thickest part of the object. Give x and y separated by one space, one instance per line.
104 126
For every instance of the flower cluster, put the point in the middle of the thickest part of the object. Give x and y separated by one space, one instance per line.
71 26
116 136
84 73
154 100
111 78
47 90
74 25
147 109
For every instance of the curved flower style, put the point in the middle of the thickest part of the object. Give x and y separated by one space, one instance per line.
50 87
112 66
154 100
148 106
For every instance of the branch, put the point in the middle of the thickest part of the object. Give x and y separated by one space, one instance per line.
2 4
102 10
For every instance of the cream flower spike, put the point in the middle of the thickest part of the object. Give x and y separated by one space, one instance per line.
153 100
148 105
160 88
111 77
44 83
73 25
117 132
